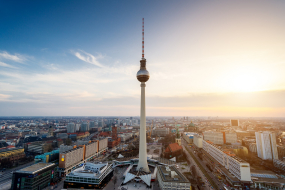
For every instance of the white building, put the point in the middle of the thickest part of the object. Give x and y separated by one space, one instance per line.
90 175
198 141
70 128
231 137
235 165
266 145
214 137
220 137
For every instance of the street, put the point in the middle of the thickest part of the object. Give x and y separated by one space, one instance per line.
208 185
6 177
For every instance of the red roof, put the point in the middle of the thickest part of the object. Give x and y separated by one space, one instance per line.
173 147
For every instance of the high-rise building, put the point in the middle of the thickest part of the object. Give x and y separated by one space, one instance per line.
266 145
91 124
71 128
77 127
234 122
143 76
84 127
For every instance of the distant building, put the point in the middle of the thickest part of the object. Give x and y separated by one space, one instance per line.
214 137
70 128
230 138
37 176
170 178
234 122
84 127
198 141
162 132
220 137
92 124
12 154
50 131
266 145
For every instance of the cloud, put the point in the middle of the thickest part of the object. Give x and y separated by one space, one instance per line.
88 58
4 97
7 65
17 57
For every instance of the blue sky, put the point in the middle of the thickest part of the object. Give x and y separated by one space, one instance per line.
81 57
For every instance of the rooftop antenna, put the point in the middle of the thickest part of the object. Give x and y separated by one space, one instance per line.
143 38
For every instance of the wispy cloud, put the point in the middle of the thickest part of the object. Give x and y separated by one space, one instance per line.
88 58
16 57
7 65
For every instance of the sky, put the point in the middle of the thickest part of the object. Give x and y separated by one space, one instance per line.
80 58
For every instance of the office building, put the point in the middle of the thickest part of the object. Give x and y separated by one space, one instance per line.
170 178
37 176
161 132
198 141
92 124
266 145
89 176
70 128
234 122
84 127
214 137
220 137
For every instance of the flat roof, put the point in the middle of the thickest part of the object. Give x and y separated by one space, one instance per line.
35 168
165 172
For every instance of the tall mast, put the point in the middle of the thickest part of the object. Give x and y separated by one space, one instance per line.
143 38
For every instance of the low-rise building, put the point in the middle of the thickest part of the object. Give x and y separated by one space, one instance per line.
162 132
173 150
170 178
89 176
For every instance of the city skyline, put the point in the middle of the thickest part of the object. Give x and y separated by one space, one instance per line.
80 59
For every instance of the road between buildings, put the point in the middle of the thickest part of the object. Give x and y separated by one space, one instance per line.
205 173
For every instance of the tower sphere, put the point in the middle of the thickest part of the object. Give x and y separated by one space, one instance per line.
143 74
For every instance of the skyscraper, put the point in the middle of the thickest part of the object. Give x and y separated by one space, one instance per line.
91 124
143 76
266 145
70 128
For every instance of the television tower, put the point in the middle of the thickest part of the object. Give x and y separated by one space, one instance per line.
143 76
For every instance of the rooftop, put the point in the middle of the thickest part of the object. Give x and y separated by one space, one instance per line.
35 168
173 147
171 174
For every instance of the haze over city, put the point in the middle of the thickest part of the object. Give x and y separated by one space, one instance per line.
72 58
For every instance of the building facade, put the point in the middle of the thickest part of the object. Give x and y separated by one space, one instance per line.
266 145
236 166
34 177
170 178
89 176
70 128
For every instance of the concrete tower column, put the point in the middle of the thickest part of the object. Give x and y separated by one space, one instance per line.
142 149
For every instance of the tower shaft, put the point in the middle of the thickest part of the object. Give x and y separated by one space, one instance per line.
142 149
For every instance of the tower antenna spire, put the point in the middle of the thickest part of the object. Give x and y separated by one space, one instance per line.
143 38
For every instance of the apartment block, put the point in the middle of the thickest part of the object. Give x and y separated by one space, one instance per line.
226 158
220 137
198 141
266 145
